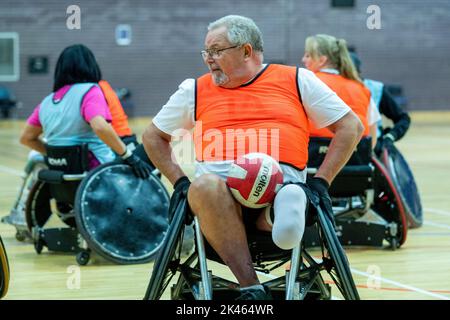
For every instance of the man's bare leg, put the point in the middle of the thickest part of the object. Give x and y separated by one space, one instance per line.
220 218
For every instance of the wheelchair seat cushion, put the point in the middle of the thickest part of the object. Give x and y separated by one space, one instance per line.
262 248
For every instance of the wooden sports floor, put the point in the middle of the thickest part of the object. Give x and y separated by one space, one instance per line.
418 270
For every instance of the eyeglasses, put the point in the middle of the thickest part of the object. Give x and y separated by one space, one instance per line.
214 53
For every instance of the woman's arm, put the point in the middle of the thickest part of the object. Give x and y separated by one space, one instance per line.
31 138
107 134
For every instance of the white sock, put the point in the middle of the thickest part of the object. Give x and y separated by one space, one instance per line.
254 287
289 223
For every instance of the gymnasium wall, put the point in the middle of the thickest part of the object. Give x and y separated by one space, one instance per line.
412 48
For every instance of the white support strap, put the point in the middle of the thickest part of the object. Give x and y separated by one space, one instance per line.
127 154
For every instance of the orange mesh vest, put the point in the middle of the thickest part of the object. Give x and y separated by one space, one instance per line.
265 115
119 118
353 93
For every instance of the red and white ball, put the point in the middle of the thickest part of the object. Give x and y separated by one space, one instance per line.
254 179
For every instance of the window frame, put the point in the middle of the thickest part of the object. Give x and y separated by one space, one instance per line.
16 57
335 4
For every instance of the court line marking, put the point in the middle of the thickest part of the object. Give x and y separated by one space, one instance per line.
418 290
401 285
438 211
437 225
271 276
9 170
395 289
408 288
395 283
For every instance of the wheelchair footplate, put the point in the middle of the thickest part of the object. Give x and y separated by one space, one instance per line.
57 239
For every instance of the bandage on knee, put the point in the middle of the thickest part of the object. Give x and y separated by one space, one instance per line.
289 216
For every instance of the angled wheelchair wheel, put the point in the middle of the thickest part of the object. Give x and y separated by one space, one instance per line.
388 204
169 256
41 204
402 176
121 217
4 270
37 208
337 264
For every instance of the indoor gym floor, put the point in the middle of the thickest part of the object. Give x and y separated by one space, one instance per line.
418 270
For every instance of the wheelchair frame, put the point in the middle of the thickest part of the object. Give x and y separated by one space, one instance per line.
16 216
62 239
62 190
373 210
71 238
302 281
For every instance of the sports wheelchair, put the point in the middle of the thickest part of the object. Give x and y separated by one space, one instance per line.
35 163
108 209
368 205
303 280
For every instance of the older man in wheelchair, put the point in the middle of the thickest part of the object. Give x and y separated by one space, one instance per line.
242 93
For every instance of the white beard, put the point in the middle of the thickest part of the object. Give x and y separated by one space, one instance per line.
220 78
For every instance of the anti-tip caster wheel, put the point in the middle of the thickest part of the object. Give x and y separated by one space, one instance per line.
83 257
20 236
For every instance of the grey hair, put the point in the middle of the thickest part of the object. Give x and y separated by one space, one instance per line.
240 30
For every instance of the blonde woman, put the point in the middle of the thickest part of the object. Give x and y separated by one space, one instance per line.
329 59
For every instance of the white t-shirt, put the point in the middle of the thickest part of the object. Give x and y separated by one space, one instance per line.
321 105
374 114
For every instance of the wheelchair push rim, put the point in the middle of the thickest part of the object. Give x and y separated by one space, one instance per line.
343 278
115 220
38 209
162 273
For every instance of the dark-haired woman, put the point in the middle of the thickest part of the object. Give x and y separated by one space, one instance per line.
76 112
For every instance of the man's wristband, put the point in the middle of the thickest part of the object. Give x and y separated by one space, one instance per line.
127 154
323 182
179 181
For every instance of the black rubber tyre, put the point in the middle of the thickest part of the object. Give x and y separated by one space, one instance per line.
20 236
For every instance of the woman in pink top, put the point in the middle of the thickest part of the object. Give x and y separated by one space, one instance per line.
76 68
